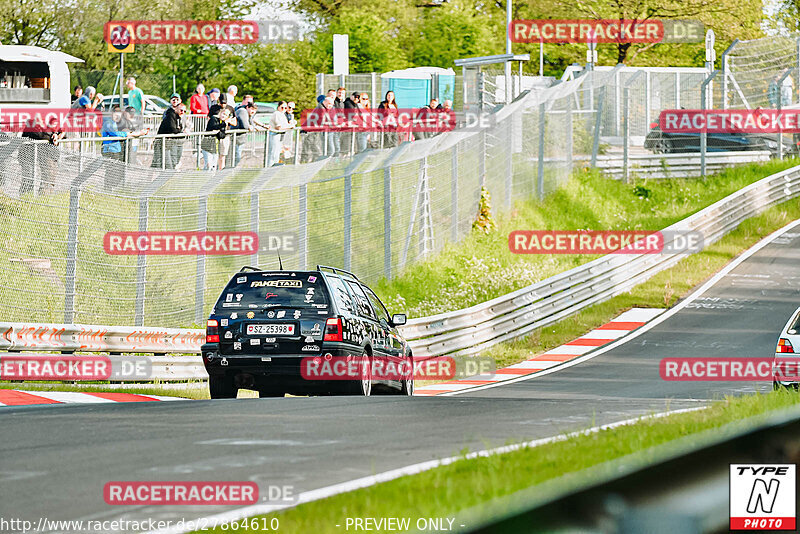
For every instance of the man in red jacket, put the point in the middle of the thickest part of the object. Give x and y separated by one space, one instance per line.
198 103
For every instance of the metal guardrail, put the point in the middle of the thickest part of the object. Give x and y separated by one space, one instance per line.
463 332
676 165
679 487
471 330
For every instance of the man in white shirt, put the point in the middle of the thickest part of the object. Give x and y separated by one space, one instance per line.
277 127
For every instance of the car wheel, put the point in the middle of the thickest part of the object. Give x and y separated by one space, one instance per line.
662 145
222 387
407 386
363 386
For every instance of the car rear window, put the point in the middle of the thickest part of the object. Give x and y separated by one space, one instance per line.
266 290
795 326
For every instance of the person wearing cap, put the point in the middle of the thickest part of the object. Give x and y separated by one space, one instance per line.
213 98
170 124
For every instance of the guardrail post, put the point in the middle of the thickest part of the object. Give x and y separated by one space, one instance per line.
540 177
726 73
200 281
387 222
598 124
302 238
569 136
454 192
348 222
141 267
703 134
254 221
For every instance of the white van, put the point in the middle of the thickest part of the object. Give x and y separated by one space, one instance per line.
31 76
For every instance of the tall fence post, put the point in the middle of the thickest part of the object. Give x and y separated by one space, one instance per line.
374 93
320 84
302 238
482 159
141 266
255 217
72 255
703 134
35 164
200 280
598 124
626 126
266 149
540 177
780 107
569 137
726 73
163 153
348 219
509 155
454 192
387 222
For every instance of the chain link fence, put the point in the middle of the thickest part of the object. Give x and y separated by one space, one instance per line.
373 212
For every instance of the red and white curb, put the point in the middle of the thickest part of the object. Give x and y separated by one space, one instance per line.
14 397
622 325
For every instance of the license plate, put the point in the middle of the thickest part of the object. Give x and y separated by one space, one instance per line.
270 330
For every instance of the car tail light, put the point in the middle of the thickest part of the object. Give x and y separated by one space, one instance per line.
653 125
212 331
784 346
333 330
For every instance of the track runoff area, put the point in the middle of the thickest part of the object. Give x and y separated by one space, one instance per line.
302 449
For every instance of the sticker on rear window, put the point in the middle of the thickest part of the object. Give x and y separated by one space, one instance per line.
230 305
277 283
312 279
241 279
224 322
281 313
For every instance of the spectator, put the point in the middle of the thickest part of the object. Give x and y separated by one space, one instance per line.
447 105
113 149
135 96
45 156
362 138
76 94
198 103
288 140
245 100
341 94
278 126
423 117
230 120
186 127
232 90
89 99
389 108
170 124
243 122
130 123
208 144
786 91
350 104
213 98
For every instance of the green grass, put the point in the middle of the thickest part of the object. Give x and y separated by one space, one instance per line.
467 483
480 267
194 390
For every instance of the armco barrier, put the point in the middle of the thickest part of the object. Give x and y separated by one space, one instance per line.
466 331
479 327
676 165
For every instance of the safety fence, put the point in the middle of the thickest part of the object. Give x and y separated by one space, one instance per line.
373 212
462 332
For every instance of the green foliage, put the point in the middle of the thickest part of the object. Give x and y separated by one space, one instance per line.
483 221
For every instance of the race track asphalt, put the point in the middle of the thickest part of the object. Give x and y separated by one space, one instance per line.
55 460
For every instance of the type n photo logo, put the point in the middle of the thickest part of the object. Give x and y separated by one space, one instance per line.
762 497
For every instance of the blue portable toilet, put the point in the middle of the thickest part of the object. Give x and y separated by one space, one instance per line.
414 88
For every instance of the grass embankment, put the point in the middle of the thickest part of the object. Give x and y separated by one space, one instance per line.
481 267
467 483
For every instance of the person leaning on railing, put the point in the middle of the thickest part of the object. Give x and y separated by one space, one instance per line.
41 155
170 124
208 144
112 149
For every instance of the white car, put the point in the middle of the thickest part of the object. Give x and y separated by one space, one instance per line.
153 105
786 365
